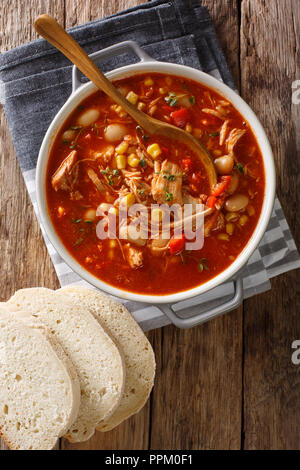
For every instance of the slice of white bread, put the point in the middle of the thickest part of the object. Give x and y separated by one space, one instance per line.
39 391
96 358
138 353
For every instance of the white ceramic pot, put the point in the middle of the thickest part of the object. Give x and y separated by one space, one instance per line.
147 64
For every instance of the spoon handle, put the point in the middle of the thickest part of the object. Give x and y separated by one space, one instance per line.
49 28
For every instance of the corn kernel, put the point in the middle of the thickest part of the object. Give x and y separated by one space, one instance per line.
61 211
162 91
148 81
128 200
113 211
197 133
154 150
169 81
243 220
133 160
224 237
132 97
120 111
112 243
141 106
188 128
90 215
229 229
111 254
122 148
156 215
121 162
250 210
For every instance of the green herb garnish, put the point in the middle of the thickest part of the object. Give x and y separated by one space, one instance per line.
169 196
78 241
214 134
141 192
171 178
171 99
140 129
76 221
202 265
75 128
192 100
240 168
143 163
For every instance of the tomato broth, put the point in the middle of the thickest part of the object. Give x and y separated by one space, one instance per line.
101 157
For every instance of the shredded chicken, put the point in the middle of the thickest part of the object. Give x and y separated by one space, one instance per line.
94 178
134 256
66 175
167 185
233 138
223 133
215 222
105 156
215 113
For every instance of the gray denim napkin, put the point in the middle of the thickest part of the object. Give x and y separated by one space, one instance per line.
35 81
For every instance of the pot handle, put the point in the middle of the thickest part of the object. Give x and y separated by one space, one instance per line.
204 317
108 52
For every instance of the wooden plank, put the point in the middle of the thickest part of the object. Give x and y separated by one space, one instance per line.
225 15
133 434
198 393
270 57
21 241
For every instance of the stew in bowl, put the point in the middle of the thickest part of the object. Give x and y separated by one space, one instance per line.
101 161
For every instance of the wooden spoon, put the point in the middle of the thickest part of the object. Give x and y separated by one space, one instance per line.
48 27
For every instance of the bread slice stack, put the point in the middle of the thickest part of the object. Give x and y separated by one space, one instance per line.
39 389
84 364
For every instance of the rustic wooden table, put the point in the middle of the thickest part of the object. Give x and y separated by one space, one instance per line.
229 384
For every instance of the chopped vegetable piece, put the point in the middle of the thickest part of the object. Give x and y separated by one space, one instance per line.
211 202
180 117
177 245
221 187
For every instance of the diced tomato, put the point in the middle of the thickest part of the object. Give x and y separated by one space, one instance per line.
187 164
211 201
165 150
180 117
221 186
177 245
